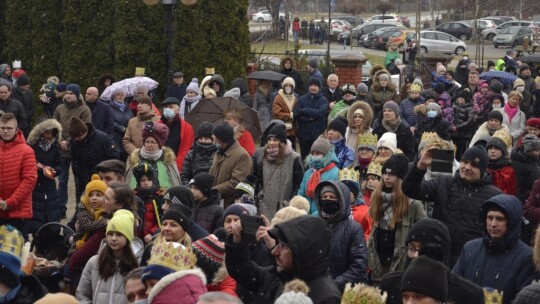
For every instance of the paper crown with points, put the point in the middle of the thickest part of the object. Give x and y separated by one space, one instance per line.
210 71
172 255
504 136
368 140
429 137
349 174
415 87
16 64
374 168
11 241
139 71
362 293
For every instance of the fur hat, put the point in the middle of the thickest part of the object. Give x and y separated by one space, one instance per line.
225 133
74 88
434 236
299 202
321 145
339 123
204 182
278 131
478 156
157 131
426 277
495 115
392 106
77 127
193 86
397 164
531 143
123 222
388 140
287 213
205 130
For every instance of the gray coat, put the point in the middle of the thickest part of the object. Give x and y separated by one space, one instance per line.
92 289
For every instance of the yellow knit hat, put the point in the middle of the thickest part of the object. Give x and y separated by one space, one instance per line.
95 184
123 222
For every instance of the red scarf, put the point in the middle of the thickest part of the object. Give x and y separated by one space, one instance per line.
315 178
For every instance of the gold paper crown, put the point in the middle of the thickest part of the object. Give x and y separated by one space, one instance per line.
374 168
416 87
429 137
368 140
349 174
139 71
172 255
210 71
504 136
492 296
11 241
363 294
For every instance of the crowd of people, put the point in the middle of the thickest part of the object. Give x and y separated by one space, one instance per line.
354 193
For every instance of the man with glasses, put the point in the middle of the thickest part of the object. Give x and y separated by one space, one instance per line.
18 175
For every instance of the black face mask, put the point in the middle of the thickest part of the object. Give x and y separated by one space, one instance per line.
329 207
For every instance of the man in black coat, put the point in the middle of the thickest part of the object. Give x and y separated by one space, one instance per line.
178 88
102 115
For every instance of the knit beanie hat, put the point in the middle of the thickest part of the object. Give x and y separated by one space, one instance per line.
531 143
529 294
278 131
95 184
313 63
495 115
157 131
56 298
144 169
210 252
61 87
524 67
518 82
234 93
285 214
224 133
299 202
438 87
465 94
434 107
178 216
392 106
314 81
289 81
205 130
321 145
440 68
122 222
235 209
533 122
245 187
180 195
193 86
362 88
348 88
77 127
11 248
429 95
388 140
339 124
170 100
294 292
497 143
496 87
204 182
383 76
145 99
23 80
74 88
397 164
433 235
426 277
478 156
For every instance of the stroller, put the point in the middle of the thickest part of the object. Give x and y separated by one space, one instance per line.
50 246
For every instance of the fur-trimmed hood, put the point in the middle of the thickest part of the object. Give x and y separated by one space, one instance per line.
49 124
174 277
368 114
376 86
168 157
483 133
375 69
221 275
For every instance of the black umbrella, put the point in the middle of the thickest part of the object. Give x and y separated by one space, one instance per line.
534 58
266 75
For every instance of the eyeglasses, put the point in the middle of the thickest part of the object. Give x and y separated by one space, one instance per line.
279 246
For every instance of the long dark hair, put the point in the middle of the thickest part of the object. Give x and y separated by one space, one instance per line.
107 262
124 196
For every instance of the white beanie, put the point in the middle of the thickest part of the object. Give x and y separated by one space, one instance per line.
193 86
388 140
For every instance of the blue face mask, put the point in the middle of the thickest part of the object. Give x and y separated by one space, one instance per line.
432 114
168 113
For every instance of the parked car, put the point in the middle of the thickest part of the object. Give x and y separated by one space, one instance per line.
262 16
498 21
490 33
339 26
391 18
368 39
366 69
459 29
481 24
353 20
512 36
379 41
435 41
358 31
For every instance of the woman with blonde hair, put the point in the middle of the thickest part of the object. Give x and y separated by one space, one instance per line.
282 109
234 118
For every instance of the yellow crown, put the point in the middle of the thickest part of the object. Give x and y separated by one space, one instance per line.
368 140
349 174
361 293
11 241
210 71
172 255
139 71
492 296
504 136
374 168
429 137
416 87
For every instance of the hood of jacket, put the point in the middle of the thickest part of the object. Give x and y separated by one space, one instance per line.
284 59
184 286
309 239
48 124
343 192
220 79
368 114
241 84
376 86
513 209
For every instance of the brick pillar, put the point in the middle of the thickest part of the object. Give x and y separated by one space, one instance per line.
349 68
252 83
431 60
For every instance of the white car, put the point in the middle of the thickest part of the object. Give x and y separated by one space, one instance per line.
393 19
435 41
262 16
339 26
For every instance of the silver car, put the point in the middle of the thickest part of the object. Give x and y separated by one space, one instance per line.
435 41
512 36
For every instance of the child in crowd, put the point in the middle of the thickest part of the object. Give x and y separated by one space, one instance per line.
336 135
481 103
152 197
373 179
499 165
367 145
207 211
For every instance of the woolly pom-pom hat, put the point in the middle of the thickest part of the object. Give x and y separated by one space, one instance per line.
193 86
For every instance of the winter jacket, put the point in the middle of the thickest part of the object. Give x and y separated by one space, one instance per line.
184 286
208 213
120 121
348 249
176 91
344 153
167 171
340 109
352 133
299 87
445 102
18 176
88 153
379 95
281 111
277 182
31 290
309 241
63 114
230 167
316 74
332 174
245 139
102 117
463 120
506 264
27 100
437 124
332 96
198 160
406 110
223 282
45 204
221 81
482 134
93 289
152 218
245 97
133 135
180 140
517 127
531 209
527 170
456 203
405 139
503 175
16 107
263 105
310 115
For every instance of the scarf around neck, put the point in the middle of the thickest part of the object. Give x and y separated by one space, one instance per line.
153 156
510 111
391 126
386 208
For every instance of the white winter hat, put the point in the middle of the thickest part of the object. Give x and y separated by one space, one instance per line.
388 140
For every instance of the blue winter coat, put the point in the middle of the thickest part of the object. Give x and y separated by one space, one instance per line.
406 110
310 115
102 117
348 249
344 153
332 174
505 265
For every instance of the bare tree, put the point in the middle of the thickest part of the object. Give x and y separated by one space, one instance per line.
384 7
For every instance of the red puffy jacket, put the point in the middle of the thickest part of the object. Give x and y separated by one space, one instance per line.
18 176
